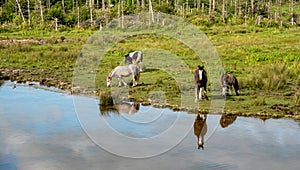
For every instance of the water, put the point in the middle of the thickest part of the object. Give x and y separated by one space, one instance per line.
39 129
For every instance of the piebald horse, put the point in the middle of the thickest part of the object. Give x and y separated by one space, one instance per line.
229 80
200 80
135 57
200 129
124 71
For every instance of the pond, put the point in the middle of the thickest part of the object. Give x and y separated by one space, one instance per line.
42 128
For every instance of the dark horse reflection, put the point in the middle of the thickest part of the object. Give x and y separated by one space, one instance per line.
200 129
119 108
227 120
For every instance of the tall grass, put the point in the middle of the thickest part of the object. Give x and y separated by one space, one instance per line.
276 77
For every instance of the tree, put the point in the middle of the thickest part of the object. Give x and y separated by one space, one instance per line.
20 10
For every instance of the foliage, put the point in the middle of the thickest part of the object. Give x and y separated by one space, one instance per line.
236 12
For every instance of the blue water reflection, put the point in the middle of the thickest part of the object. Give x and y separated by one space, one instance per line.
39 129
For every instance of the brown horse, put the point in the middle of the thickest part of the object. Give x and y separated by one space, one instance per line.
229 80
200 80
200 129
227 120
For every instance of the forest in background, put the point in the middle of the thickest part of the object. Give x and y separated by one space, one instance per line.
69 14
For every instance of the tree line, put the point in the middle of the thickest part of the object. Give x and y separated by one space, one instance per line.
55 14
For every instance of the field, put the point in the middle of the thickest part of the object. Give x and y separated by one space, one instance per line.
265 61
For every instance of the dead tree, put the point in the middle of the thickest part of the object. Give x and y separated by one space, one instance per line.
20 10
28 8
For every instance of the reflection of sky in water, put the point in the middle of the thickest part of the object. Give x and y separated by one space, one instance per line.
39 130
129 124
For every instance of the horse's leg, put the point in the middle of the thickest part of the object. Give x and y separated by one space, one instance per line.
122 81
205 93
230 90
141 67
196 93
134 80
200 93
224 90
237 92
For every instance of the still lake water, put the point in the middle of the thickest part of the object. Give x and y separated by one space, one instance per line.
39 129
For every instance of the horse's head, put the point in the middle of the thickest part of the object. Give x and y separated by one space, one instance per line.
200 67
128 59
200 145
108 81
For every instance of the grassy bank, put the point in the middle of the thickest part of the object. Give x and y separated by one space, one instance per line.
265 61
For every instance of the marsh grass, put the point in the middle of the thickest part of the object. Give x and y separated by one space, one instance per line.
265 61
261 101
276 77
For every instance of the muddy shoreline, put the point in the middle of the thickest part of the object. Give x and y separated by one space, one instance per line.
18 75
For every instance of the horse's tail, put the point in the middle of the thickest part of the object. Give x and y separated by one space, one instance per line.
236 84
141 59
222 81
137 77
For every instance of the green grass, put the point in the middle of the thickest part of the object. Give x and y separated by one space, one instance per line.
265 61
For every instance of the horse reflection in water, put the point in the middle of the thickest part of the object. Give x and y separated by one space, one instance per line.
200 126
200 129
120 108
227 120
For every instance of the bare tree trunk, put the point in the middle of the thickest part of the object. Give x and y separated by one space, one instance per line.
223 11
143 4
91 12
252 8
48 4
269 12
78 16
235 10
209 10
122 10
55 22
28 8
63 6
103 5
213 5
151 15
292 11
41 10
119 14
138 4
20 10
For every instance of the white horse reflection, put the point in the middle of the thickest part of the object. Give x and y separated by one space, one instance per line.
120 108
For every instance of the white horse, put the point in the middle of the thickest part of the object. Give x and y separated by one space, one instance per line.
124 71
134 58
200 129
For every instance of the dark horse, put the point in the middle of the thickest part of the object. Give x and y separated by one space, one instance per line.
135 57
229 80
200 129
200 79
